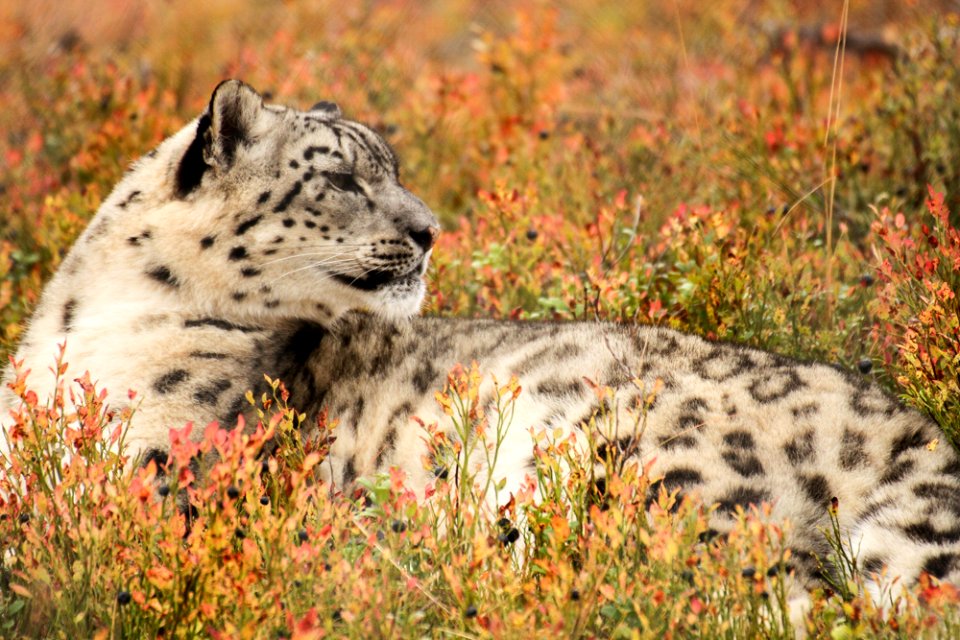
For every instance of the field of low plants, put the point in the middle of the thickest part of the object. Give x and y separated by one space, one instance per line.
781 173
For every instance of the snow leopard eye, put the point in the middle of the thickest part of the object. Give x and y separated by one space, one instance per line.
344 182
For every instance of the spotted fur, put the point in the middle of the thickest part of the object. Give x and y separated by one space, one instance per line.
258 238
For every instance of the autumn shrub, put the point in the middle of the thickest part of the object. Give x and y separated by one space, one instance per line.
918 313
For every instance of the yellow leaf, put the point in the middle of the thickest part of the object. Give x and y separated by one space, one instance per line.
20 590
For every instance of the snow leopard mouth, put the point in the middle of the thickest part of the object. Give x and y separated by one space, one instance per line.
378 278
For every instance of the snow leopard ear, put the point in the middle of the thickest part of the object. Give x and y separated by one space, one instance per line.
234 109
226 124
327 109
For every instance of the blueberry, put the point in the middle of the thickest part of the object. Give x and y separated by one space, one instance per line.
303 535
264 500
749 572
164 491
233 493
865 366
866 279
532 234
398 526
471 612
123 598
575 594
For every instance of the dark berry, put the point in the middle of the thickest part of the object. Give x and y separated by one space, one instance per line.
575 594
749 572
264 500
865 366
303 535
544 134
123 598
164 491
239 534
233 493
532 234
866 280
398 526
772 571
513 535
24 518
471 612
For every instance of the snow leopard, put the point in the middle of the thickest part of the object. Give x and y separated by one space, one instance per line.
263 239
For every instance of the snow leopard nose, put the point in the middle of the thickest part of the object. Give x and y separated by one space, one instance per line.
424 238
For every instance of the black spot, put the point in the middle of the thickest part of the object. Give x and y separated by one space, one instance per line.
206 242
263 197
308 153
168 381
288 197
873 564
208 355
68 310
743 496
294 164
192 166
682 477
133 197
218 324
941 564
271 304
249 272
159 457
739 440
800 449
952 468
237 253
560 389
853 452
746 464
162 275
424 376
209 394
909 440
896 472
804 411
243 227
135 240
669 443
944 495
775 385
816 487
309 224
718 365
926 533
349 472
238 295
614 449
